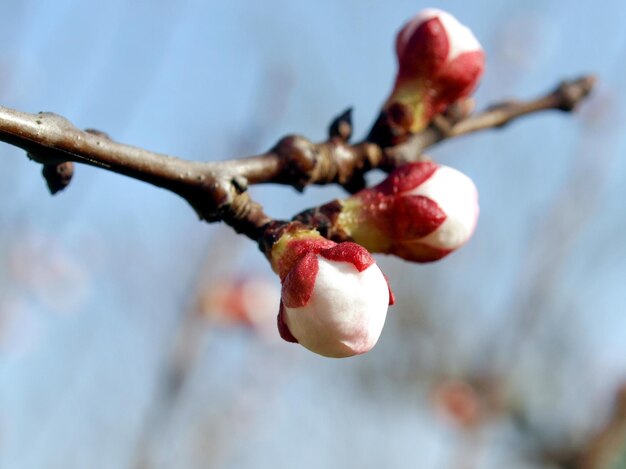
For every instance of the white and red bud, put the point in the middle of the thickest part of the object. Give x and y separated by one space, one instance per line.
421 212
440 61
334 297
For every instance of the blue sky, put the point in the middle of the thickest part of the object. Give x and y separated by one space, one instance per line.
213 80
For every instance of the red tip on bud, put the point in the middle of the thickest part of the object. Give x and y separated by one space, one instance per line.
440 61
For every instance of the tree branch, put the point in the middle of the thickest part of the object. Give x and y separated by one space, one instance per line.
218 190
566 97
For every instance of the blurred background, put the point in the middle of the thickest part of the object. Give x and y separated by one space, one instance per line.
133 336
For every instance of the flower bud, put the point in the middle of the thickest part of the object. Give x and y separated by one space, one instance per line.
334 297
421 212
439 62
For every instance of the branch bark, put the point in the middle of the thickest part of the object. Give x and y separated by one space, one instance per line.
565 97
218 190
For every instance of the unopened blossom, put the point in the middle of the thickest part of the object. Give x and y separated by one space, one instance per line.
440 61
334 297
421 212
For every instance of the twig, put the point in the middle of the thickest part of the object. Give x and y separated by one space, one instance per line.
565 97
218 190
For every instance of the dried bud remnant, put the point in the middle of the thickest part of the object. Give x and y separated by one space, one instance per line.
58 176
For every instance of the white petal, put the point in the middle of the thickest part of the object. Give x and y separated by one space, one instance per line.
456 195
460 37
346 312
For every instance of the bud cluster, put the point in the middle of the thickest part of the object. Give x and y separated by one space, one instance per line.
334 297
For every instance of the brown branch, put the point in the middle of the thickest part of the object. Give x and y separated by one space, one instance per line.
565 97
218 190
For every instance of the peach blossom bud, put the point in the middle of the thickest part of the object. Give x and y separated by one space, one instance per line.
334 297
421 212
440 61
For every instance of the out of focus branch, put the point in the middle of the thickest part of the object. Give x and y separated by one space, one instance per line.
608 449
218 190
604 450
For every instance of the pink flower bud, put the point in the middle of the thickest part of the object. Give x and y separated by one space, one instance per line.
334 297
439 62
421 212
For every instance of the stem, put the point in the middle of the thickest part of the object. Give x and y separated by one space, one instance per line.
217 191
566 97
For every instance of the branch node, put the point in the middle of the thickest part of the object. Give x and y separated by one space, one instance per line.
299 157
98 133
341 126
245 216
240 183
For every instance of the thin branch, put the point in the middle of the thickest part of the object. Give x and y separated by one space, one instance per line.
566 97
606 449
218 190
